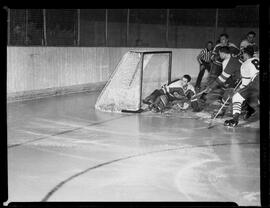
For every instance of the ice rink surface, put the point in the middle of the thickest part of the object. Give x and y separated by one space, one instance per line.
62 149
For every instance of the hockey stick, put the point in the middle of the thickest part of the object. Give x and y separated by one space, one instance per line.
140 110
210 124
132 111
200 93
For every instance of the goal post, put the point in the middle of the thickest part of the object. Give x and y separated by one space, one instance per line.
137 74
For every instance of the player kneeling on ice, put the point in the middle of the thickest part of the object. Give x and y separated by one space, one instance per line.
249 89
179 89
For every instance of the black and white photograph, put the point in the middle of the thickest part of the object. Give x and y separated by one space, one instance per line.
134 105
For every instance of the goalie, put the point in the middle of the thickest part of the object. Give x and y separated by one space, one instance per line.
179 89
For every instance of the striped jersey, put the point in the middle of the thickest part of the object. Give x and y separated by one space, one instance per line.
204 56
249 69
215 54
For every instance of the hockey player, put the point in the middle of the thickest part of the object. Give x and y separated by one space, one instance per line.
204 59
250 40
179 89
216 67
249 89
228 78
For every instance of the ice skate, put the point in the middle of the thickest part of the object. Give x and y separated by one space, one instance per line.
231 123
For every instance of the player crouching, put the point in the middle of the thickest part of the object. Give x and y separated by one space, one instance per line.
249 89
179 89
227 80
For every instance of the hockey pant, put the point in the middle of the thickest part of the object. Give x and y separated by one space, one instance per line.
215 71
154 95
225 92
204 66
162 101
250 94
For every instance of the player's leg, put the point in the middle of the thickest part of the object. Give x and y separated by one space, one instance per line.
237 101
200 76
245 108
160 103
252 98
225 92
153 96
224 95
215 71
195 105
208 67
251 95
249 110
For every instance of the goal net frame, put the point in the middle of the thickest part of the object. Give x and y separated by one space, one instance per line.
141 61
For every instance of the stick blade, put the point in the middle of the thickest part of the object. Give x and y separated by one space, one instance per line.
210 125
131 111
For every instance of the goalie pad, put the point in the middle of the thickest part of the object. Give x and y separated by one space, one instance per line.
161 102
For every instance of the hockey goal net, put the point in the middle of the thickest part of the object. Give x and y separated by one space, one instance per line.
136 76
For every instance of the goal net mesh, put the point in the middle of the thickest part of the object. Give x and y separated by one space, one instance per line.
130 82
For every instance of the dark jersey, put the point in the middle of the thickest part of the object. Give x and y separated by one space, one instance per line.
243 45
231 70
246 43
215 54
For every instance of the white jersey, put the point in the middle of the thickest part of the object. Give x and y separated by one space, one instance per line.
249 70
180 85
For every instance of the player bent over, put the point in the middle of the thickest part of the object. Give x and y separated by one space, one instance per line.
229 76
179 89
216 67
249 89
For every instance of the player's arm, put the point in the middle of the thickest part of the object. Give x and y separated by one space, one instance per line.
170 88
220 81
245 82
247 72
200 56
242 46
245 77
234 50
214 53
174 81
166 87
189 94
256 51
177 92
